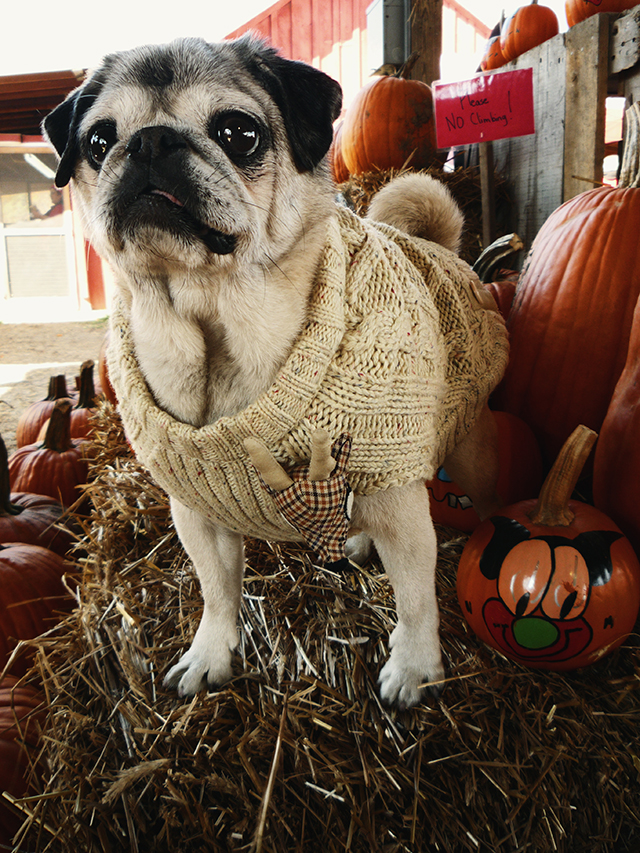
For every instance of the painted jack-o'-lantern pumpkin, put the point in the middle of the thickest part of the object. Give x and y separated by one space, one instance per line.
552 584
520 476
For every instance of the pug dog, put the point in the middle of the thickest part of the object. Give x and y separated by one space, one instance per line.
201 174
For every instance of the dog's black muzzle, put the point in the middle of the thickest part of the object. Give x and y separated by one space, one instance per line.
156 191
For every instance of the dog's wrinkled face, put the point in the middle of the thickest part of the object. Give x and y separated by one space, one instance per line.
193 154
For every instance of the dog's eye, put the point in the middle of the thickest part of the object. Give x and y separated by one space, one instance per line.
238 134
99 141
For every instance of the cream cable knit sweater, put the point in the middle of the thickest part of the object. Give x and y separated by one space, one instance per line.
397 351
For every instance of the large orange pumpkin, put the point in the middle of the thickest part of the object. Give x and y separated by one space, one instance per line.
57 466
22 712
32 596
528 27
552 584
389 123
580 10
616 469
570 321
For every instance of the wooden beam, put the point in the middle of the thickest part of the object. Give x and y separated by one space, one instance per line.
587 70
426 38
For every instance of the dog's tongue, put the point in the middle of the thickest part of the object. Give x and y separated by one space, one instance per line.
168 196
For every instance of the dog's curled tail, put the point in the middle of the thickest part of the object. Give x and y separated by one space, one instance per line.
421 206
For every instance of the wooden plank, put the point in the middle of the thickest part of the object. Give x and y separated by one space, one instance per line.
624 49
587 51
426 38
487 184
534 165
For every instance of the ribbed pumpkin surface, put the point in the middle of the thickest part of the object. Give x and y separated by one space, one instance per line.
580 10
388 119
571 317
616 469
528 27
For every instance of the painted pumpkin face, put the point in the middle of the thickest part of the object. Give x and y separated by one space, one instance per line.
519 477
550 597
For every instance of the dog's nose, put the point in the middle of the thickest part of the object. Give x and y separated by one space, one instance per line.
153 143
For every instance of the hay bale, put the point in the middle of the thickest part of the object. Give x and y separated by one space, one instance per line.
297 753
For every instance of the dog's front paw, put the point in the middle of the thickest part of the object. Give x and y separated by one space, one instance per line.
206 664
410 665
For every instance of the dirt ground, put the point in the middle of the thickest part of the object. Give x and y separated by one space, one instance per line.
31 353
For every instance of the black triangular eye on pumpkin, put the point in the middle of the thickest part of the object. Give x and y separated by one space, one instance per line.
508 533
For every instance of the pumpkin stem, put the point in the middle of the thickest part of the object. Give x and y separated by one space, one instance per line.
87 389
6 507
405 69
552 508
57 387
58 434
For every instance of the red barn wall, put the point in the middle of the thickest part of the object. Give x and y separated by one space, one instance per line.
332 35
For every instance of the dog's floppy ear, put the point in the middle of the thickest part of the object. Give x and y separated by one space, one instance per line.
308 99
60 127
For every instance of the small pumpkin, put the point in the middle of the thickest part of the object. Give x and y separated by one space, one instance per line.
571 317
580 10
551 583
32 597
55 467
80 417
520 475
31 420
389 124
616 468
22 714
503 291
31 518
493 57
528 27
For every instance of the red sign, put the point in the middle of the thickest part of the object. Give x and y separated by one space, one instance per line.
486 107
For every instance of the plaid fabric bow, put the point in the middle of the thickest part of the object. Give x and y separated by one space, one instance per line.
315 498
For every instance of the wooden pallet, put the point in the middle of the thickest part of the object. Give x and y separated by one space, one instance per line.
573 73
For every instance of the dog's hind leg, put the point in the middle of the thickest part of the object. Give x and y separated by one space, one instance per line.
399 522
473 464
218 557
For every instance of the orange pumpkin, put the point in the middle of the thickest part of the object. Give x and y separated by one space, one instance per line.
570 321
528 27
22 712
57 466
34 416
580 10
30 518
552 584
520 476
32 596
616 469
503 291
389 123
493 57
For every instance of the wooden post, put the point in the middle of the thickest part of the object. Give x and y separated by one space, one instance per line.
426 39
587 58
487 182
